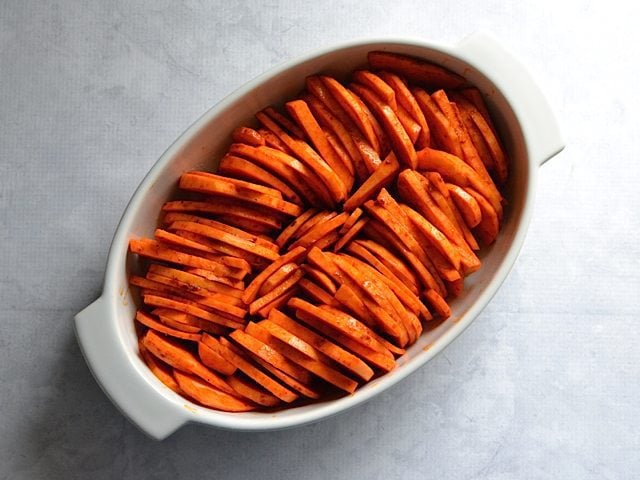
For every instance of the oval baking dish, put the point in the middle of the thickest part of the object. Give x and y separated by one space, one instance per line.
105 329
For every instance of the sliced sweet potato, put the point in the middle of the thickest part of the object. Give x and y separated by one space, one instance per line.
279 276
353 109
439 304
182 359
384 362
293 227
291 382
489 226
258 218
403 291
206 395
286 167
392 262
342 322
161 370
194 283
466 204
225 237
196 182
269 355
377 86
315 292
370 188
406 99
157 301
189 320
415 69
319 230
155 250
442 131
238 167
309 157
454 170
247 135
434 236
285 123
350 234
333 124
231 282
382 294
251 292
302 114
235 356
321 278
313 365
276 292
402 145
246 389
323 345
403 240
148 321
212 359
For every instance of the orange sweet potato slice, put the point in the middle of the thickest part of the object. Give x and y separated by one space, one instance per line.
182 359
322 344
406 99
402 144
313 365
379 179
148 321
415 69
251 292
245 388
206 395
235 356
247 135
212 359
241 168
302 114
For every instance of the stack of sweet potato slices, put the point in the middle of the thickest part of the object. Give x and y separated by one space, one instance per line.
332 234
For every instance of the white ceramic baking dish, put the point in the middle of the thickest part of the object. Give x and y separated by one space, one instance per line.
105 329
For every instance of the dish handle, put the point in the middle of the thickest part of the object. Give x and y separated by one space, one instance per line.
135 397
538 122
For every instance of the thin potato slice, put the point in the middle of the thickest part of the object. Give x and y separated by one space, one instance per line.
251 392
241 168
314 366
149 322
310 158
196 182
466 204
294 255
182 359
206 395
235 356
415 69
266 221
323 345
376 181
402 144
212 359
247 135
269 355
291 229
353 109
161 370
407 100
153 249
302 114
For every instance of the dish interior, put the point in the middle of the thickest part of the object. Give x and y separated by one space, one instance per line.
205 142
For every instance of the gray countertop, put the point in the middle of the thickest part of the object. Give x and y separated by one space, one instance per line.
545 383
